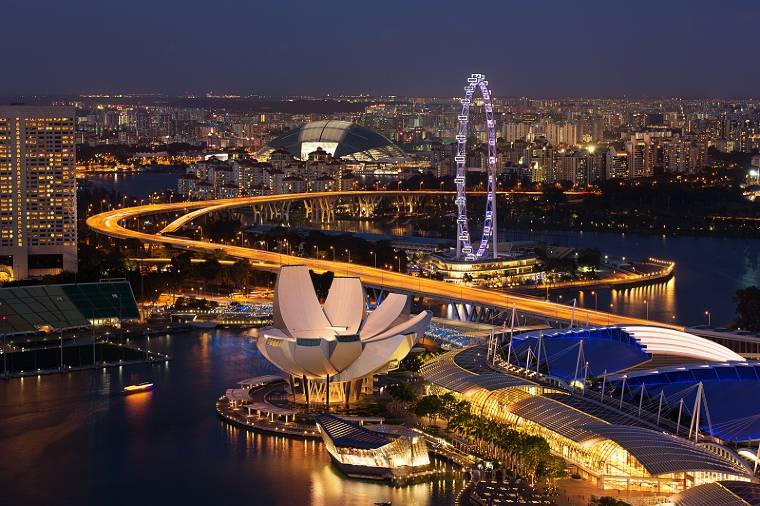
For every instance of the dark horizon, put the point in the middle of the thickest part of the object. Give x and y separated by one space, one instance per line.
131 97
591 49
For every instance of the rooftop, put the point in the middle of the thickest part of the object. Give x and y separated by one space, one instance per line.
662 453
340 139
28 309
725 493
349 434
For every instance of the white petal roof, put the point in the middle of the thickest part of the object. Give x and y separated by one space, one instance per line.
296 308
335 338
345 304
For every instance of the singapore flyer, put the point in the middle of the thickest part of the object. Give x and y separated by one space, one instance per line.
464 243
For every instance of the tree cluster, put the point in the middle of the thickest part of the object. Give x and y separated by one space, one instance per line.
526 455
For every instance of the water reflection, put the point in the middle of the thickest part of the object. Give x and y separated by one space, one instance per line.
80 436
138 185
657 301
137 406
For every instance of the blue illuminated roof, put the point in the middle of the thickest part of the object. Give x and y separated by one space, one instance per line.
608 348
728 388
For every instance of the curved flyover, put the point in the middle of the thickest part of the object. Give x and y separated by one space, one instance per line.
110 223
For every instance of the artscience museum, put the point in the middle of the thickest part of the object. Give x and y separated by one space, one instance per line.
332 350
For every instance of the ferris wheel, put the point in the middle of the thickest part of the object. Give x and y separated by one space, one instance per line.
464 243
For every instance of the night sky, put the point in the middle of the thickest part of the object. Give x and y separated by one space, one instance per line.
690 48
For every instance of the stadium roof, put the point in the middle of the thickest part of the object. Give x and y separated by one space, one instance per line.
29 309
725 493
340 139
662 453
349 434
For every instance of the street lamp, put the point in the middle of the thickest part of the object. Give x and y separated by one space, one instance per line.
316 251
596 300
332 248
709 317
647 308
349 255
374 257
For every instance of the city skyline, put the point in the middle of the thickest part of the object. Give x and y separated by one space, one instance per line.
425 253
671 49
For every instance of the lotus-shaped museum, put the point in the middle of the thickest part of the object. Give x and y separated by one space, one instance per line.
331 351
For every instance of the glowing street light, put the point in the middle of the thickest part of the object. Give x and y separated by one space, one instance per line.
709 317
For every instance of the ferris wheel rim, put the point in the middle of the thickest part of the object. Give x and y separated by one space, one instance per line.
464 243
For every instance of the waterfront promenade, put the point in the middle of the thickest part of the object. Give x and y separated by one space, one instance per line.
251 409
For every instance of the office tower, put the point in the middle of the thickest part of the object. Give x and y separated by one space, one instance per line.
38 229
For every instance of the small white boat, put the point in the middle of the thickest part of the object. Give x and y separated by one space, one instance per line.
140 387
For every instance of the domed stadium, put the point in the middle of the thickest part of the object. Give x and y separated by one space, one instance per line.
341 139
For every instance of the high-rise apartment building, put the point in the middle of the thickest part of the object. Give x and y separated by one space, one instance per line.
38 227
561 133
512 132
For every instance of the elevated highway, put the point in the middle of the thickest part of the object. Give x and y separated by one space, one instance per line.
111 223
222 204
